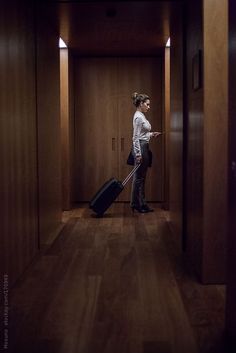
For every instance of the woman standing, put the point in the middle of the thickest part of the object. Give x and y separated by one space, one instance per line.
141 136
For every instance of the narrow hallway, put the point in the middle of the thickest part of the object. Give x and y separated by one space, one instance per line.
116 284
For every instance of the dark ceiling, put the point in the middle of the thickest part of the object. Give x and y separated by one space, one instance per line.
114 28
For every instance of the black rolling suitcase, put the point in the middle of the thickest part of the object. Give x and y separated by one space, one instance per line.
108 193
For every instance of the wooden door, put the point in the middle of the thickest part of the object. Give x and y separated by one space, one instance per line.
96 125
143 75
104 122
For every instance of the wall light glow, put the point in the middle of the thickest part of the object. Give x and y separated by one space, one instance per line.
62 44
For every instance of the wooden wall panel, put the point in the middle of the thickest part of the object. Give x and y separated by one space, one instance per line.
194 134
65 128
231 263
206 124
49 128
167 127
176 121
71 73
215 139
96 125
19 219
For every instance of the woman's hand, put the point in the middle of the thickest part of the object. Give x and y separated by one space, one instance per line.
139 159
156 133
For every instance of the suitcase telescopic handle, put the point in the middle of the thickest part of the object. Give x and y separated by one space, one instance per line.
129 176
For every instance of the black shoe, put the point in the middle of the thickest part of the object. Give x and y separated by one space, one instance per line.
139 209
147 208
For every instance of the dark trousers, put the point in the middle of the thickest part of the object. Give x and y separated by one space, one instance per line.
139 178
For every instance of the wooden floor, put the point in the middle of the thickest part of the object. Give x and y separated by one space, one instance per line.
116 284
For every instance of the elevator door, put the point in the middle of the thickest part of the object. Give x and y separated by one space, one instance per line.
103 122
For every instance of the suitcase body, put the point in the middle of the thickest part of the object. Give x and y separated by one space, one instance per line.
108 193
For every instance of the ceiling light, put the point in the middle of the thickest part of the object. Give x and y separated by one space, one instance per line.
62 44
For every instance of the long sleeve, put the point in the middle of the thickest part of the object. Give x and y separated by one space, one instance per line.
141 131
136 135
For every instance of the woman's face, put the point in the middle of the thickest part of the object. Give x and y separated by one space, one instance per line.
145 106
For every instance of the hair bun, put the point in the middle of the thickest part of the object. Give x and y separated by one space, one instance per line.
134 95
139 98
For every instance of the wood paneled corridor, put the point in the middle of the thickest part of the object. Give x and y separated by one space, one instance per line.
116 284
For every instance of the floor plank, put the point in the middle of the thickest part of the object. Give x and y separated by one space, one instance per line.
116 284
